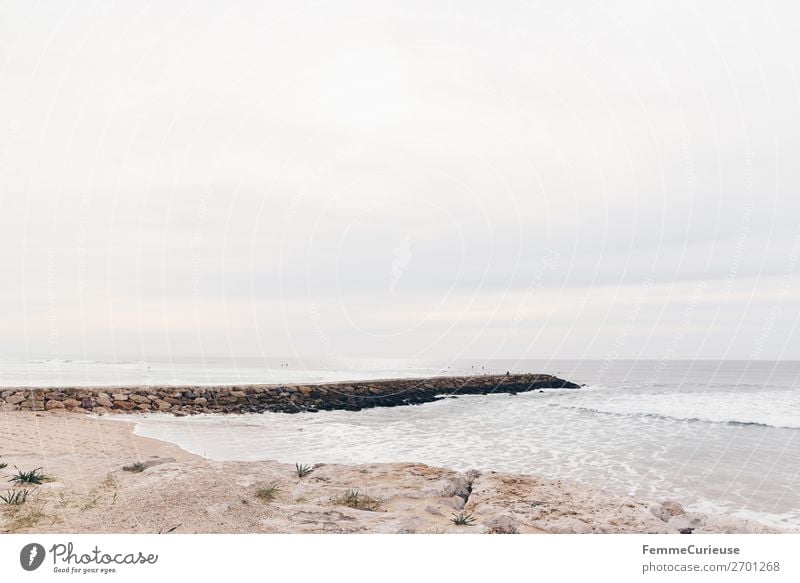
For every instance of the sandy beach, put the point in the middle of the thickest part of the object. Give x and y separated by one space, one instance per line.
89 492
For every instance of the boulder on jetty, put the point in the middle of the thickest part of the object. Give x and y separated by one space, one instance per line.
351 396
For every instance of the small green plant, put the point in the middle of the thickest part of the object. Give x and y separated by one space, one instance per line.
34 476
136 468
302 470
268 493
463 519
15 497
354 499
3 465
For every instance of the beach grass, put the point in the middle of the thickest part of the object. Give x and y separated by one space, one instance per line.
34 476
269 493
302 470
23 518
357 500
15 497
463 519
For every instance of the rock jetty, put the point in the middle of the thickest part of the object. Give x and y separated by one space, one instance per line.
190 400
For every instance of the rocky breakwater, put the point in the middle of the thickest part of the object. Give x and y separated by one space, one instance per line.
277 398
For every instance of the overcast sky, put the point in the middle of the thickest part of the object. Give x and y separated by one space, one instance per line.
402 179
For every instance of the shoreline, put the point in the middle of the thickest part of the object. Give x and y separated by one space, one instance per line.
181 492
283 398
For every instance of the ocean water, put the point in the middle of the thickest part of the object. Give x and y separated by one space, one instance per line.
719 436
